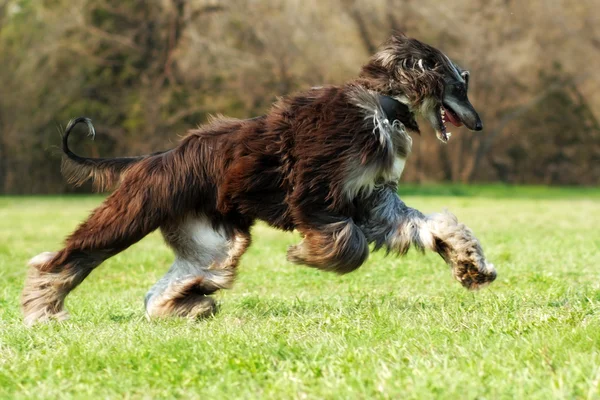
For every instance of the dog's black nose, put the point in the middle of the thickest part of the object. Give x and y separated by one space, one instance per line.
479 125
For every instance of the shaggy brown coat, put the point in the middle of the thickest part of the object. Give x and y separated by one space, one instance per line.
325 162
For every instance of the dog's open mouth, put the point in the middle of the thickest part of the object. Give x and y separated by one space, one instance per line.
445 114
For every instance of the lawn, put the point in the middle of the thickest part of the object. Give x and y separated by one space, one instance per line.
396 328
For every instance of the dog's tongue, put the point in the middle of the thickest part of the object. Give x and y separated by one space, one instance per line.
451 117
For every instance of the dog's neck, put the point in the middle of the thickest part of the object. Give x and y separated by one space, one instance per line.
374 79
376 84
395 110
392 108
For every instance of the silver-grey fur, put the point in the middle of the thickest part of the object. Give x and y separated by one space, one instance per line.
206 258
392 224
392 136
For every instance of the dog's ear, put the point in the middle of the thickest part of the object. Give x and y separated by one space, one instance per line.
465 76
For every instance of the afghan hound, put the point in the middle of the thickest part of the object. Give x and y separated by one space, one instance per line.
325 162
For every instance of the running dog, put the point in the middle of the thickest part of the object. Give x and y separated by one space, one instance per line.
325 162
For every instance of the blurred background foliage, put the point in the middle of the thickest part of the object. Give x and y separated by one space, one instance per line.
146 71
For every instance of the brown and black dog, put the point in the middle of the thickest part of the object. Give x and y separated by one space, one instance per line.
325 162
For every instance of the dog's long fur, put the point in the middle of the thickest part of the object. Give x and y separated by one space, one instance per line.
325 162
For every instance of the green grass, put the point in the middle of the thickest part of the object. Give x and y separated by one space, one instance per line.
396 328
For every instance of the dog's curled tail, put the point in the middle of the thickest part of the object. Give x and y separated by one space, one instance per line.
104 172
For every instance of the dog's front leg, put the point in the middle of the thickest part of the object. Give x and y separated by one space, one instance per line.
389 223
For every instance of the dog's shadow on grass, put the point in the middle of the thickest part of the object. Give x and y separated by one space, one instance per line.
379 304
273 307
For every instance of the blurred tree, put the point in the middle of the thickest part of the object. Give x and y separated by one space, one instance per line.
147 71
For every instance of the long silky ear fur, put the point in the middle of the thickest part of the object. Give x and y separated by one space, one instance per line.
416 66
104 172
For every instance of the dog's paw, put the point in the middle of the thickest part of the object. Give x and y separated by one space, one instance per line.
474 277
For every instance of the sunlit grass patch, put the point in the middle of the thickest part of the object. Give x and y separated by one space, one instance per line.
396 328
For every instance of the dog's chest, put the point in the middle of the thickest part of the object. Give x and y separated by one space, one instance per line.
363 179
387 148
393 174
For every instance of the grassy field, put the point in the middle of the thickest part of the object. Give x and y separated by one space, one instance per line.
396 328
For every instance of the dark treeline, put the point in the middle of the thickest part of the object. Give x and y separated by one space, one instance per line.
146 71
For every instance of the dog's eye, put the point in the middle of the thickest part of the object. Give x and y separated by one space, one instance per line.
458 89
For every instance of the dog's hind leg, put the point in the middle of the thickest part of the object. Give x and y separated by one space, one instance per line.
124 218
206 257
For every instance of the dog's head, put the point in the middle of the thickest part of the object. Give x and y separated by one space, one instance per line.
425 80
